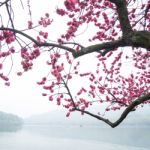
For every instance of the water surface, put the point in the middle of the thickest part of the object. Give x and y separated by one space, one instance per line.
76 138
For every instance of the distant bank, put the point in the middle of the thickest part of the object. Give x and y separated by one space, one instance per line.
58 118
10 122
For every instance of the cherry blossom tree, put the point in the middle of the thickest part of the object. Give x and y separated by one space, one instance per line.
83 75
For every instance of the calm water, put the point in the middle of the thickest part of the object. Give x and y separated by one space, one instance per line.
76 138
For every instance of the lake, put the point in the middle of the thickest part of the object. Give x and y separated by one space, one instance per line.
55 137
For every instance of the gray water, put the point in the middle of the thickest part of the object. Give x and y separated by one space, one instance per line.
76 138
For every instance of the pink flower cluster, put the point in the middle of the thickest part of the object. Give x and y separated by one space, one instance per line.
105 85
45 21
8 36
28 58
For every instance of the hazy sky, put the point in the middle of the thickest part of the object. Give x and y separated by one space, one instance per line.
23 97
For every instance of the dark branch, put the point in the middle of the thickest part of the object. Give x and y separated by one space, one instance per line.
38 43
123 16
69 93
106 47
135 39
8 8
146 11
3 3
129 109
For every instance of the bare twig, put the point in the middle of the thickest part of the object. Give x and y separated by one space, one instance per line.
38 43
8 8
129 109
69 93
3 3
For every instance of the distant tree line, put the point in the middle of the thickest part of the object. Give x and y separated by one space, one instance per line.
10 122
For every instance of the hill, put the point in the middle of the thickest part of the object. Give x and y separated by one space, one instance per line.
9 122
136 118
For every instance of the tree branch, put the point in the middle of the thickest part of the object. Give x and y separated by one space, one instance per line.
135 39
2 3
69 93
38 43
106 46
8 8
129 109
123 16
146 11
140 39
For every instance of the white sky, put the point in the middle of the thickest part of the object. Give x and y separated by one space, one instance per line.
24 97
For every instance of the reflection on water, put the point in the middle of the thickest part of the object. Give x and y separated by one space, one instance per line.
134 136
75 138
10 128
10 122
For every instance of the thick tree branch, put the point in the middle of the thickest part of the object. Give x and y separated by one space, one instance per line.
135 39
106 47
140 39
129 109
123 16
